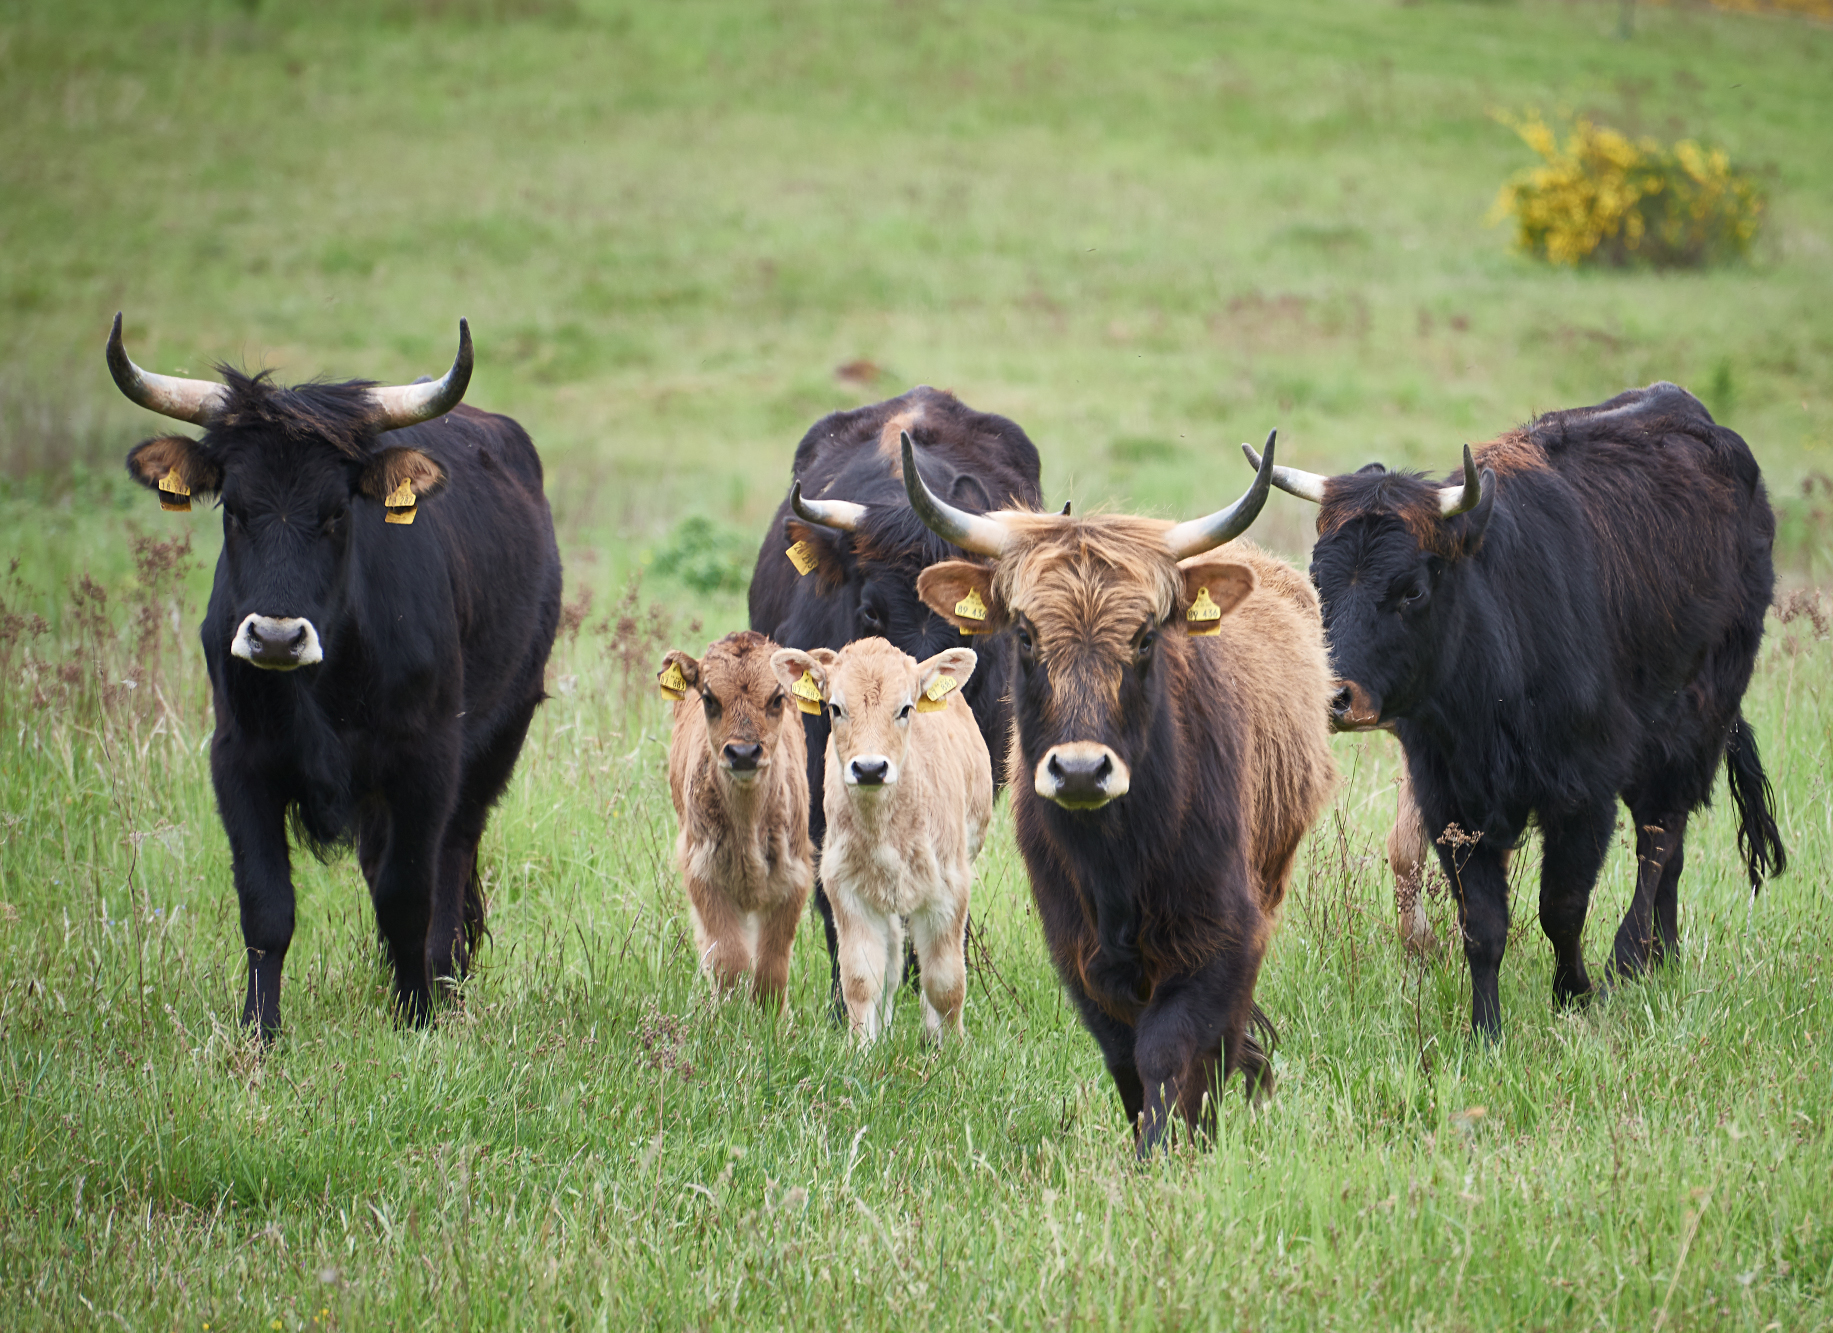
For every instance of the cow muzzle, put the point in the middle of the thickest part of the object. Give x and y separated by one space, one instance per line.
743 762
1354 708
870 771
276 643
1081 775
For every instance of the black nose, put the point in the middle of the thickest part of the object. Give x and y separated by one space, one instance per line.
870 772
272 644
1342 700
743 758
1081 774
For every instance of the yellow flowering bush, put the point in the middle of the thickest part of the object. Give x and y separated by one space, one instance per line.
1601 198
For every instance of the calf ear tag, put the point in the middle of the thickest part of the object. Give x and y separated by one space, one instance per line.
970 607
399 506
802 556
935 698
1204 617
673 683
174 495
807 694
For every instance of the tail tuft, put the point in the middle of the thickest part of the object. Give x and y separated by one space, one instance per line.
1758 837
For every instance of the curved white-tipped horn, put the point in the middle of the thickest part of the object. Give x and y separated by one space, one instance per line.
1291 480
198 401
1205 534
410 404
975 533
841 514
1455 500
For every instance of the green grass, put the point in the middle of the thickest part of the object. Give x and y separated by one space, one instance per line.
1146 232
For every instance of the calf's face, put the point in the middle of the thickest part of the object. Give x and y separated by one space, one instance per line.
740 699
871 691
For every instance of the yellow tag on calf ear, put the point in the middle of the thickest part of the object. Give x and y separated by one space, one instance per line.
1204 617
673 683
802 556
399 506
807 694
971 607
174 495
935 698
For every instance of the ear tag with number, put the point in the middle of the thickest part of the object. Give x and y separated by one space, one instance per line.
971 607
935 698
673 683
802 556
174 495
1204 617
399 506
807 694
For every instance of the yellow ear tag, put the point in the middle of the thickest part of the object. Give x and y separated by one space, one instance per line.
673 683
174 495
1204 617
399 506
807 694
802 556
970 607
935 698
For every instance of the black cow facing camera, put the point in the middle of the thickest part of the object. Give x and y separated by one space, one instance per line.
1572 619
376 637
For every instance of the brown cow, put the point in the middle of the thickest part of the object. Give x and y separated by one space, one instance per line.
1171 748
737 770
908 794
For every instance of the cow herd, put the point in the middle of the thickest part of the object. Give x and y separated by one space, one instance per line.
1568 621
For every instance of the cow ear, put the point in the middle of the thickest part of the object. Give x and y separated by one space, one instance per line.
941 676
961 592
679 674
1212 588
175 467
804 675
401 478
815 550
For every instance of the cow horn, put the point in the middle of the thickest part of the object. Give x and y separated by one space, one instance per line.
409 404
841 514
198 401
1205 534
975 533
1305 485
1455 500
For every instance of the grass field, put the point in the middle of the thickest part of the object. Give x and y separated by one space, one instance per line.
1147 232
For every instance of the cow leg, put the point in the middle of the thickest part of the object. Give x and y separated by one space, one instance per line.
1651 926
824 908
254 816
1573 849
869 941
721 940
1407 850
1479 879
776 938
420 800
939 938
1115 1039
1174 1031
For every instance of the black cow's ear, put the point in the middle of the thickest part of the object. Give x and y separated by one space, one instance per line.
1471 526
814 550
401 478
961 592
176 467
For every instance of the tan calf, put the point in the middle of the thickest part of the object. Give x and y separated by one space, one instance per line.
738 772
909 791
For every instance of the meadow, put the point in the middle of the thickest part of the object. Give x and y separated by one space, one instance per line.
682 233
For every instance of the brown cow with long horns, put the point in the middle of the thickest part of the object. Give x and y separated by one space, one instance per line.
1171 709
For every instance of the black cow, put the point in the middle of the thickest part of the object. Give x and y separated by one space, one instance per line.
1577 622
376 637
863 548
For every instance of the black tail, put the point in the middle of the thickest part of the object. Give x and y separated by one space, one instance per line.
476 930
1758 837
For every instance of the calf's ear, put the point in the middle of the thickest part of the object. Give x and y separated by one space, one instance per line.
961 592
1212 588
804 675
941 676
175 467
679 674
400 478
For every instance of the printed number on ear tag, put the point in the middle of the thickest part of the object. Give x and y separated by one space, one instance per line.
673 683
399 507
1204 617
935 698
807 694
174 495
802 556
971 607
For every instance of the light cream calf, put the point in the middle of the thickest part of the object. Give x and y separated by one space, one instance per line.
738 772
908 795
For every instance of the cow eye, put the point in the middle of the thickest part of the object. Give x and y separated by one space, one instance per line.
903 714
1146 643
776 702
836 712
711 704
1024 640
